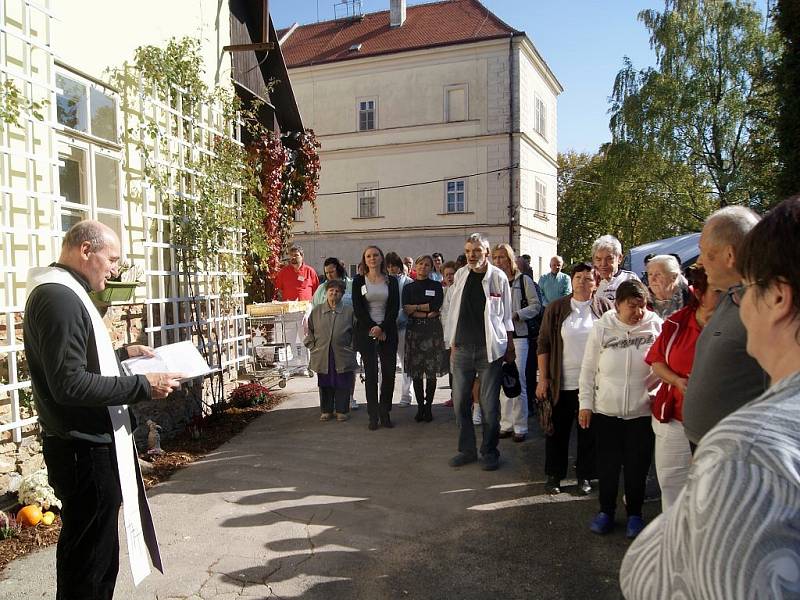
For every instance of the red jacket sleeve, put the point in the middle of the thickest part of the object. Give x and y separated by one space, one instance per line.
658 351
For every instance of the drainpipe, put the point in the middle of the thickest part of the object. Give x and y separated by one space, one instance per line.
511 142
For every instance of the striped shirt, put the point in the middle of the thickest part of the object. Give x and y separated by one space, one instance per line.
734 531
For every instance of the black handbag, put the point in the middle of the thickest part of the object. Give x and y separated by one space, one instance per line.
510 380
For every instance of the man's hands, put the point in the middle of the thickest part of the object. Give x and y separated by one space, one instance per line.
584 418
161 384
139 350
511 351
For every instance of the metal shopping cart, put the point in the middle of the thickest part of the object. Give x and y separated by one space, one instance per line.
276 341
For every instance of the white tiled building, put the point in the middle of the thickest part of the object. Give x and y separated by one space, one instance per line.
444 93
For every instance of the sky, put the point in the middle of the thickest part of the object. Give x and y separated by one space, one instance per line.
583 41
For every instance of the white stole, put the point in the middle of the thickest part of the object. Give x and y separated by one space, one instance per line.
139 530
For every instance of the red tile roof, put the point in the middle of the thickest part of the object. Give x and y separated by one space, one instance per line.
437 24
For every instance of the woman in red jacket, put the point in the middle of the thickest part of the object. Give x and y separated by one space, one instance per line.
671 357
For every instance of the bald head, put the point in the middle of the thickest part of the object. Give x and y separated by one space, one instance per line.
93 250
728 226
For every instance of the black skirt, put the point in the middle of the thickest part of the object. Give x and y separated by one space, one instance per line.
424 349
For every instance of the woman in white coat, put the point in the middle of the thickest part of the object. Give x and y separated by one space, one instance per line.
525 305
614 396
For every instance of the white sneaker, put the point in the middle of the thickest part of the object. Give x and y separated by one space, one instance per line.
405 401
353 403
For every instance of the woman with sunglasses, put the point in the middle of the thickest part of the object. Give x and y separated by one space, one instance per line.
376 300
672 357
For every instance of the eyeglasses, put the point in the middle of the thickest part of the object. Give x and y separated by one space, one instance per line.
737 292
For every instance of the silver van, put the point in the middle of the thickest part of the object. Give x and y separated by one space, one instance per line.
686 247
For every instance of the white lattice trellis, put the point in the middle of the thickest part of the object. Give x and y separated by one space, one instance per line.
29 205
181 307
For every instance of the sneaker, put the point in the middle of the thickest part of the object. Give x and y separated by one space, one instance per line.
552 485
342 417
405 401
506 434
449 402
491 462
520 437
326 416
584 487
602 524
635 526
461 459
353 403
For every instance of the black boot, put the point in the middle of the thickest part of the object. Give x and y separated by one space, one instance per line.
428 414
386 421
420 416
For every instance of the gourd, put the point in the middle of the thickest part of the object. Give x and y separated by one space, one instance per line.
29 516
48 518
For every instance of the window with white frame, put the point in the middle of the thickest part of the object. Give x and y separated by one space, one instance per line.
367 114
90 159
540 117
541 198
455 104
367 200
455 196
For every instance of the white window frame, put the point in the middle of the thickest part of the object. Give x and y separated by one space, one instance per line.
91 208
540 198
93 146
91 85
540 116
367 187
447 193
359 101
451 88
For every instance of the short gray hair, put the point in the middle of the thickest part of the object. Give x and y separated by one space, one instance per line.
607 242
478 238
728 226
559 258
670 265
93 232
296 248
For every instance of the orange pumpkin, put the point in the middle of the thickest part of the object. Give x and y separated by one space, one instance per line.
29 516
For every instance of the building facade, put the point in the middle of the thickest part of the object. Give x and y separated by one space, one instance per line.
435 121
77 149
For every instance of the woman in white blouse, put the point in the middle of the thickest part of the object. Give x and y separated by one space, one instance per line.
562 340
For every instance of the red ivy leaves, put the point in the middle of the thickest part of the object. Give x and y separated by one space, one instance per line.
288 175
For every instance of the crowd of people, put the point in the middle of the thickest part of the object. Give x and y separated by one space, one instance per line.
699 371
645 373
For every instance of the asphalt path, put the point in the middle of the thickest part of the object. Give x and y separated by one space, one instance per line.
298 508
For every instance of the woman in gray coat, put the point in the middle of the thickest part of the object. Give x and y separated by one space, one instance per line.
333 358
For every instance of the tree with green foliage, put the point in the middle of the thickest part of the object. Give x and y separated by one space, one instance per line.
787 21
709 102
635 195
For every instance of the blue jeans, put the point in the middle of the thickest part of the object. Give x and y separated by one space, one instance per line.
466 362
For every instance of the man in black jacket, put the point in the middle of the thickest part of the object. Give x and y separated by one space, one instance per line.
75 379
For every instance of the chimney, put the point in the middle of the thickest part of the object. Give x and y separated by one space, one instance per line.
397 13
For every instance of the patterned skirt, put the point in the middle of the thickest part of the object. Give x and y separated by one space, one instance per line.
424 349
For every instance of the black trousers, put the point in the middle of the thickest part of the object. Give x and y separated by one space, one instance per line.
531 370
556 447
424 389
385 352
334 399
85 479
623 445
